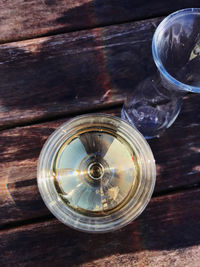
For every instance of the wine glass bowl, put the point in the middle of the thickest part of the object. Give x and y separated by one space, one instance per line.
176 50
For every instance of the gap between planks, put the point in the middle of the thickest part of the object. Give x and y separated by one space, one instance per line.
77 30
63 115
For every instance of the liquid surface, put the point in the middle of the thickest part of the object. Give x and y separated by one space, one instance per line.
96 172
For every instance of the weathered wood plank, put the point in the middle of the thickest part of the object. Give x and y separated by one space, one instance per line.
55 75
166 234
58 75
177 155
23 19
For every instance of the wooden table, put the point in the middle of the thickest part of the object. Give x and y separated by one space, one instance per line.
61 58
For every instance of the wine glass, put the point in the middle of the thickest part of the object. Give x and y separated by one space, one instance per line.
157 100
96 173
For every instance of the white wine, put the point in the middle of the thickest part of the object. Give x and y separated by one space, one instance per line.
96 173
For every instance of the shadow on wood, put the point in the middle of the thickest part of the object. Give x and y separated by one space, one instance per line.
29 19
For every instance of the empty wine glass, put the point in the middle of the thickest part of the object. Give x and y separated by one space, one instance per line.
157 100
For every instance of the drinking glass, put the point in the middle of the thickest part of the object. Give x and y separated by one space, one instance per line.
96 173
157 100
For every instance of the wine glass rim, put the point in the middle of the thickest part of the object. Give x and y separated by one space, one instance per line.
181 86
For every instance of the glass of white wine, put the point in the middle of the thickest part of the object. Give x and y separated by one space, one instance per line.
96 173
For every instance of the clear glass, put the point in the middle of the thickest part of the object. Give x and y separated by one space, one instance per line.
176 52
96 173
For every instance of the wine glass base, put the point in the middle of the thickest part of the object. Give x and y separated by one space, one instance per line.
125 116
152 108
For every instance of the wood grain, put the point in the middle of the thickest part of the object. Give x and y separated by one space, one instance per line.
166 234
177 155
23 19
52 76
